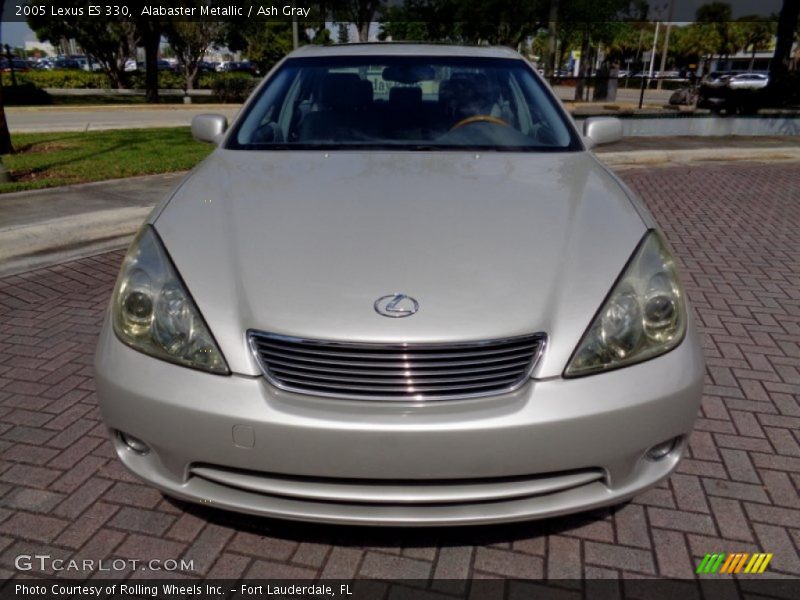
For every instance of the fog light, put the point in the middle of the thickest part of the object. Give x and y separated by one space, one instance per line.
134 443
661 450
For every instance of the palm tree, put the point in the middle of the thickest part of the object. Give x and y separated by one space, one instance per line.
787 25
5 135
756 34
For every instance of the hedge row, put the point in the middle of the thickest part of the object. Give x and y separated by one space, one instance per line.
75 78
65 78
226 87
233 87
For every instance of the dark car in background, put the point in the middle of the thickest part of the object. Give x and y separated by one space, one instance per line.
66 63
19 65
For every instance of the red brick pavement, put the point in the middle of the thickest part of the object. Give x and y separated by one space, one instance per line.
735 229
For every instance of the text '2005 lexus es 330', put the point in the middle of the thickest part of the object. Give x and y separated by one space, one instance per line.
401 291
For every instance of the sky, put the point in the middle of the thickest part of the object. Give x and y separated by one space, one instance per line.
15 34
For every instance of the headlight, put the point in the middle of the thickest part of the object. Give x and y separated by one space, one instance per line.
644 316
153 313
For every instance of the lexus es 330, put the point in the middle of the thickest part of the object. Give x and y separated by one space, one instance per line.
400 291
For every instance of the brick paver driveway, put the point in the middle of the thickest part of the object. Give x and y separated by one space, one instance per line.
735 228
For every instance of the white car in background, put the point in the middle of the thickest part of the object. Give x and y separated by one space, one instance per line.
748 81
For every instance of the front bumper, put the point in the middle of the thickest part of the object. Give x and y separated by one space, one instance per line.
552 447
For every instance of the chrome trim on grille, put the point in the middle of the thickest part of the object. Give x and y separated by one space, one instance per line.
374 371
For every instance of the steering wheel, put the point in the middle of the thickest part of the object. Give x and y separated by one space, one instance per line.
480 119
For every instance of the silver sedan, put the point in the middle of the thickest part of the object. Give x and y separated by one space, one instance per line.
401 291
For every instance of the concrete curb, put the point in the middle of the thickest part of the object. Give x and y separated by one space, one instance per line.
48 241
649 158
57 240
88 185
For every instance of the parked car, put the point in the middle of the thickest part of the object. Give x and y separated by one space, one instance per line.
231 66
86 63
66 63
734 92
20 65
44 64
206 66
717 79
749 81
400 291
671 75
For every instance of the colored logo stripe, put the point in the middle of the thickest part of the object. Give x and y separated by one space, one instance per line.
720 562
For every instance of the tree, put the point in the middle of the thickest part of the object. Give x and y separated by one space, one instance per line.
150 31
37 52
108 41
360 12
787 26
322 37
189 41
698 40
719 16
263 42
593 22
422 20
756 33
501 22
5 135
342 35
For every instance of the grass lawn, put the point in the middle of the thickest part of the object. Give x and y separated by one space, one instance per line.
51 159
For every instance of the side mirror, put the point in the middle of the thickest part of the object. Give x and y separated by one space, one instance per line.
209 127
601 130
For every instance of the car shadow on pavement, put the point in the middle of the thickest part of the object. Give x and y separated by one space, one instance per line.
401 536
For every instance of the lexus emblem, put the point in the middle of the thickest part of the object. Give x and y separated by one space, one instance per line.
396 305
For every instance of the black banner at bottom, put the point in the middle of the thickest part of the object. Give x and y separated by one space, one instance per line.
408 589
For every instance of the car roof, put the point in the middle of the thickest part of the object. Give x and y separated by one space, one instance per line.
404 49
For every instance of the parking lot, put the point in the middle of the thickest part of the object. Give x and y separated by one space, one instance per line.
734 228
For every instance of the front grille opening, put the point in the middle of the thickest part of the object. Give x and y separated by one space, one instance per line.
397 372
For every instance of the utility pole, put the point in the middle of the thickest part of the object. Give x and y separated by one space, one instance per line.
551 38
666 41
295 32
653 53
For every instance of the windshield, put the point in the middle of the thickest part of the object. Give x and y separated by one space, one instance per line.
408 103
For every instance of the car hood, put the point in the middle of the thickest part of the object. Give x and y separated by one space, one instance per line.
491 245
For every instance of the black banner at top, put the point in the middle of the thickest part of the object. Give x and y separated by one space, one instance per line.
510 11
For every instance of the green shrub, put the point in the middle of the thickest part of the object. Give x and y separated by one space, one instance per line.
230 87
206 80
167 80
26 94
65 78
233 87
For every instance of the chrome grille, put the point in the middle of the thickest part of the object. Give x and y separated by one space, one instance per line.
396 371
